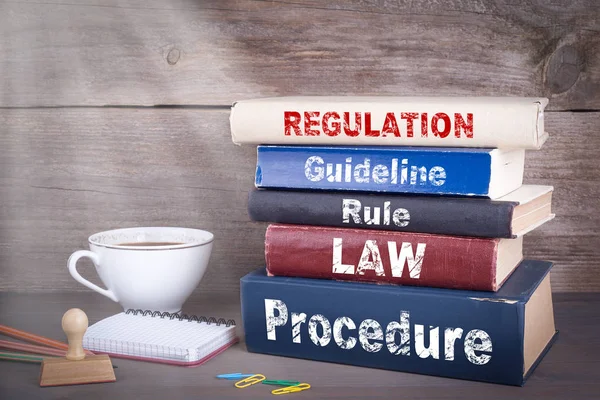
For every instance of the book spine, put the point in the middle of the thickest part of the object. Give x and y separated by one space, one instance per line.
455 122
402 258
384 211
427 333
374 169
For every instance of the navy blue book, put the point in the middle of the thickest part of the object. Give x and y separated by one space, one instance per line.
490 173
483 336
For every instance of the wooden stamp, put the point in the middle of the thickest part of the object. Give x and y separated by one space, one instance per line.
77 367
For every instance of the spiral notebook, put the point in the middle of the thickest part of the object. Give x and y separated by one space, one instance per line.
176 339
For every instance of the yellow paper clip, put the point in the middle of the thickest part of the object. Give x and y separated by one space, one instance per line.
292 389
251 380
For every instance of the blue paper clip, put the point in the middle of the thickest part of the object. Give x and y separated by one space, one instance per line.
234 376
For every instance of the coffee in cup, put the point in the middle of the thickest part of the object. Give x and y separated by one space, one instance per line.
147 268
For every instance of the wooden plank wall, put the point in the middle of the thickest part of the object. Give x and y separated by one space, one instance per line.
115 113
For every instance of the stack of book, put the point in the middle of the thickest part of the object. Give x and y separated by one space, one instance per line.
396 233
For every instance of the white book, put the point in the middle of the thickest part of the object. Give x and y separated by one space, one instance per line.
493 122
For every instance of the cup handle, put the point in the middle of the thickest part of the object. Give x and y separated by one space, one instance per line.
96 260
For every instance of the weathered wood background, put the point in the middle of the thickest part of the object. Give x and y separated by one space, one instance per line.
115 113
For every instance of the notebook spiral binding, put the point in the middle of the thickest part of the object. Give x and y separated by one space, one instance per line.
182 316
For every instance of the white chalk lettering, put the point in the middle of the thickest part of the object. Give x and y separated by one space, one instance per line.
437 176
450 336
272 320
372 220
415 262
338 267
397 337
433 350
338 325
369 330
478 340
297 321
402 329
351 214
370 259
314 173
313 325
316 169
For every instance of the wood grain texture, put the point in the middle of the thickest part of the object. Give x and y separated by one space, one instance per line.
569 162
61 372
68 173
568 371
134 52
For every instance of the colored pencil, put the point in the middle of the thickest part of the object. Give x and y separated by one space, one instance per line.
30 348
9 356
30 337
20 357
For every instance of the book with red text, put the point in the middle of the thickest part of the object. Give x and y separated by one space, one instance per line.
492 122
391 257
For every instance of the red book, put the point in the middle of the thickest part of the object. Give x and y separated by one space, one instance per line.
391 257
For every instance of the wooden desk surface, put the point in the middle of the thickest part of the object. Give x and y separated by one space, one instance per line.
571 370
114 113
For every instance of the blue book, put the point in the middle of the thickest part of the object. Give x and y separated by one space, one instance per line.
483 336
489 173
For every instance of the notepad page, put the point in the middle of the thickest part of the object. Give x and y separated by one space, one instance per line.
155 337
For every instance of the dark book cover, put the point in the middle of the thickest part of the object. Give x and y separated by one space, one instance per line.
493 337
406 258
446 215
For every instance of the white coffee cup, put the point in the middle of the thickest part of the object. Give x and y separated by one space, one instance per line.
147 268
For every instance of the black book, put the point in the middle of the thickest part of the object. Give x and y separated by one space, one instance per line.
510 216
